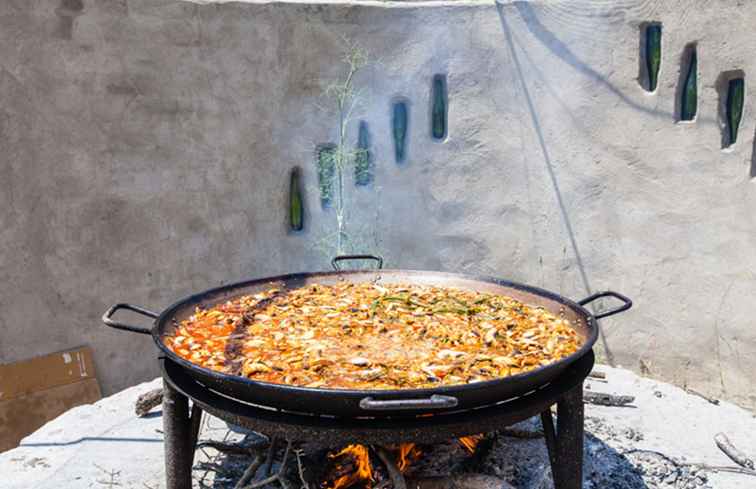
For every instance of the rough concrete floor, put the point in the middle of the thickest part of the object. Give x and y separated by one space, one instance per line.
105 445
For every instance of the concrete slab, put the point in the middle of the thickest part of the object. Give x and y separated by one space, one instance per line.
104 443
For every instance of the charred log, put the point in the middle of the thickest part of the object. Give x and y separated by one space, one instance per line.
604 399
147 401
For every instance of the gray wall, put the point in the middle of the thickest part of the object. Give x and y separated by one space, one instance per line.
146 146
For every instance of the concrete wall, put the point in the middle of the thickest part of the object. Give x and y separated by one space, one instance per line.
146 146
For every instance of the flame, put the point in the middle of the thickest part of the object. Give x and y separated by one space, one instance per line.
408 453
470 443
360 455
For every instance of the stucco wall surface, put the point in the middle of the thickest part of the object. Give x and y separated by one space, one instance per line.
146 148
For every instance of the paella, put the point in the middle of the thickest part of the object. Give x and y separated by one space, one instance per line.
373 336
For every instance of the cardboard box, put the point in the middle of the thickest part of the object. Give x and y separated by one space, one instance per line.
32 392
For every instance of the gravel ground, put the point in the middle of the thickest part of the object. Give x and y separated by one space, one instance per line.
644 445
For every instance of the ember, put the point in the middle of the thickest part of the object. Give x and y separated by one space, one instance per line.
470 443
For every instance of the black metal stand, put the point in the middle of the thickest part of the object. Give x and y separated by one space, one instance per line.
179 452
565 443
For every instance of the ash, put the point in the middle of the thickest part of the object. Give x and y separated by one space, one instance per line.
611 461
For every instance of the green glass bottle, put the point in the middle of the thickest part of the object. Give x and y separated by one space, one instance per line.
735 97
653 54
689 102
363 171
399 129
438 110
296 202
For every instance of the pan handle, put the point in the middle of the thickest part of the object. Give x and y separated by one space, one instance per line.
626 303
433 402
107 318
336 259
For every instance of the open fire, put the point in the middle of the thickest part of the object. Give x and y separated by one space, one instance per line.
354 466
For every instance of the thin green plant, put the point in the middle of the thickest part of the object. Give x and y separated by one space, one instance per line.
342 163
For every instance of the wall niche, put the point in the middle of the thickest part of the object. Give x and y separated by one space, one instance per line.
650 55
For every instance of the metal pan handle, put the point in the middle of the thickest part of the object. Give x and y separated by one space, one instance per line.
433 402
626 303
107 318
337 259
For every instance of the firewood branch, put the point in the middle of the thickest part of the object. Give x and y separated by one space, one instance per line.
233 448
278 476
249 473
147 401
300 469
396 476
604 399
731 451
520 433
677 465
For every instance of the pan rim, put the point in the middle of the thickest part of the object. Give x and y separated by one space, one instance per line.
166 316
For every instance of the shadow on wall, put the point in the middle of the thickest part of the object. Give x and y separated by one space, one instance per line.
67 13
730 84
563 51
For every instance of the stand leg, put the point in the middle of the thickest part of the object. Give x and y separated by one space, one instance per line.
196 423
547 421
568 472
177 429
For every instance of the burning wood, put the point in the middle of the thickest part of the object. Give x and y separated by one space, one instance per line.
396 477
352 466
359 466
408 453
